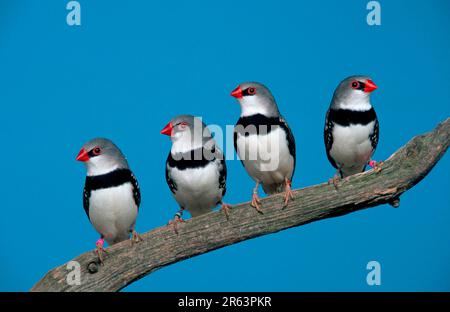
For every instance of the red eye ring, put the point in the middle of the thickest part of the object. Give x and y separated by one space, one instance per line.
355 84
97 151
251 91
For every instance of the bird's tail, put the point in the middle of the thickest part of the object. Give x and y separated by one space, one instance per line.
345 172
270 189
117 239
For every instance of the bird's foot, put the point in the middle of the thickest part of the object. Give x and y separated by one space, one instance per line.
135 238
376 165
256 202
175 221
288 194
226 210
335 181
100 250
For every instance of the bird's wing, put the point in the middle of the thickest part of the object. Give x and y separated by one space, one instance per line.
171 183
328 138
375 134
235 136
86 196
223 176
136 190
220 161
235 140
290 139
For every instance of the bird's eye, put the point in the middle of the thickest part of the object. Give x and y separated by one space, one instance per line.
355 84
97 151
183 125
251 90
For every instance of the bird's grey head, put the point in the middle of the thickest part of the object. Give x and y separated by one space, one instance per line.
101 156
187 133
255 98
353 93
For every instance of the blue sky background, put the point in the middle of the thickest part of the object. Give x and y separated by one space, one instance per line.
132 65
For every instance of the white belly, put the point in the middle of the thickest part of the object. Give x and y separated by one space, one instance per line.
352 147
113 212
266 157
197 188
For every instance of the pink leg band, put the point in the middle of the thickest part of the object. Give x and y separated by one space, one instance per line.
100 242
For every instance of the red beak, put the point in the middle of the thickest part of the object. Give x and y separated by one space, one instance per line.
83 155
370 86
167 129
237 93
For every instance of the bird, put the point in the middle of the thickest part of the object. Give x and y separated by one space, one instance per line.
351 128
111 195
196 171
264 142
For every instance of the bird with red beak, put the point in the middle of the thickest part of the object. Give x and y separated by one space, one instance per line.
167 130
196 171
264 142
111 196
351 128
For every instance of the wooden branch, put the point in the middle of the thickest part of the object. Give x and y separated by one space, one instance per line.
125 264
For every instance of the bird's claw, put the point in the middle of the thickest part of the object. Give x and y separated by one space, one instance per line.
256 202
335 181
99 250
376 165
288 193
226 210
177 219
135 238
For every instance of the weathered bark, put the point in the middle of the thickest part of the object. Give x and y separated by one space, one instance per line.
161 247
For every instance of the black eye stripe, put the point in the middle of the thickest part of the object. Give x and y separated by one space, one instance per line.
95 152
358 85
249 91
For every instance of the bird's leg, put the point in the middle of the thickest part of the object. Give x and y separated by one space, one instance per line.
135 237
376 165
255 199
288 192
100 250
335 179
226 209
177 219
